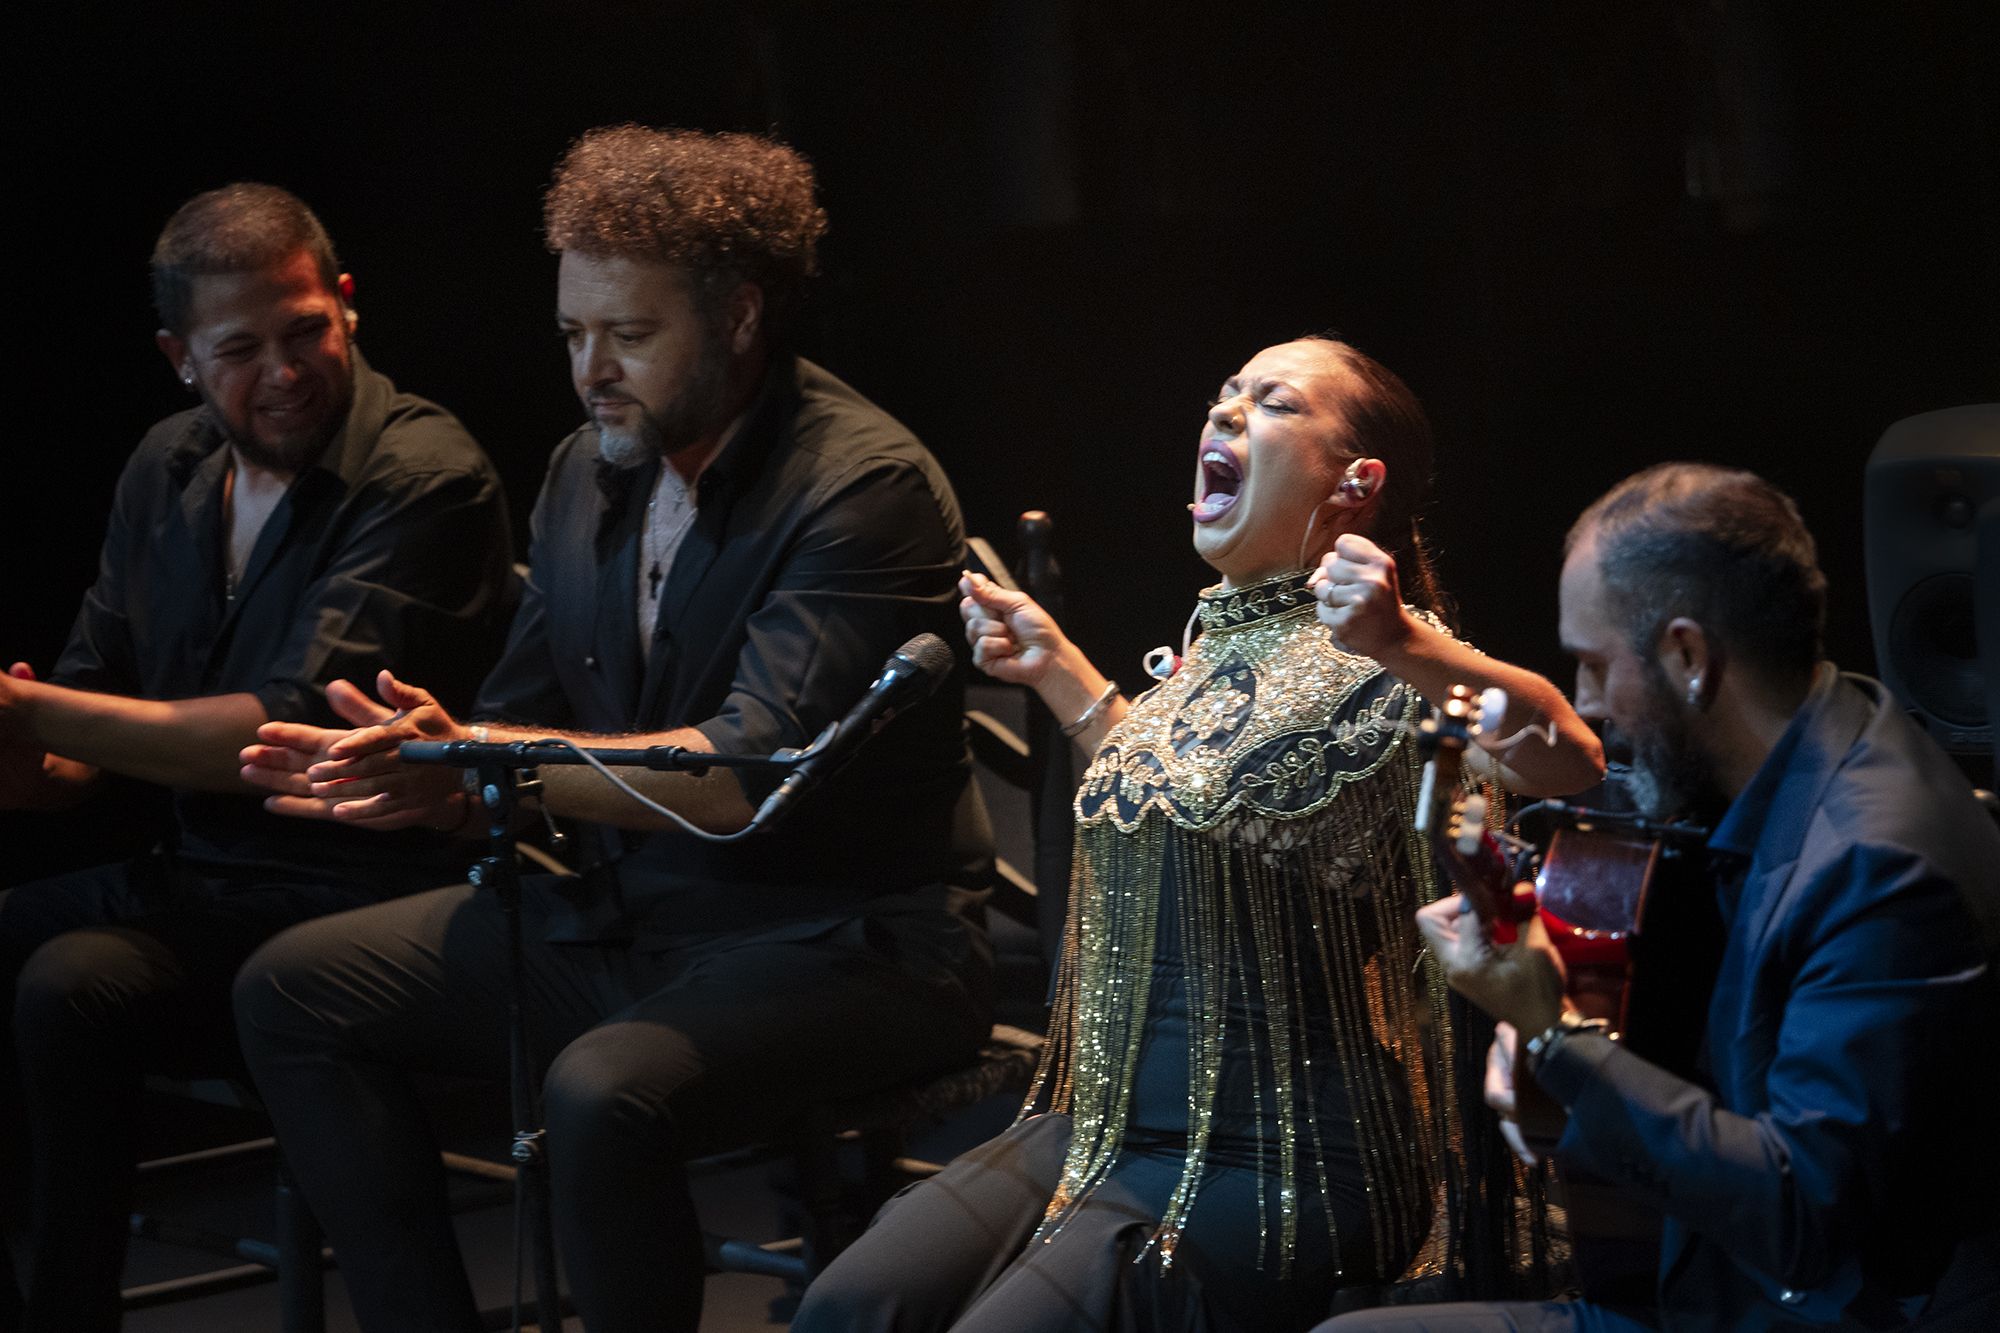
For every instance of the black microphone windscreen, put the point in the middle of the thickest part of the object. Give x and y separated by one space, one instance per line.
930 655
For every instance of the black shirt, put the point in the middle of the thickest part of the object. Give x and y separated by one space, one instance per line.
391 549
825 538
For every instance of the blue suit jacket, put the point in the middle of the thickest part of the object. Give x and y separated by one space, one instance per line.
1837 1162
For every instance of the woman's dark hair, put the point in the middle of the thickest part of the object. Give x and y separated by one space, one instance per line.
1720 546
1384 420
239 228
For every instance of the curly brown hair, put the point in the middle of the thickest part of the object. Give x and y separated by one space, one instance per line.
729 207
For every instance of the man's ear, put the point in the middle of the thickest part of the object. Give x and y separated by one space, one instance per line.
175 349
345 286
746 317
1690 660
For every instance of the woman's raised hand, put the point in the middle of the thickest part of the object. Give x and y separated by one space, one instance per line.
1359 599
1012 638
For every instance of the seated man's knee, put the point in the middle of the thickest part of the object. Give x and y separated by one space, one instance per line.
847 1296
617 1081
86 981
274 989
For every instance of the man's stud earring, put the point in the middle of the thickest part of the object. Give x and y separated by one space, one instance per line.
1694 691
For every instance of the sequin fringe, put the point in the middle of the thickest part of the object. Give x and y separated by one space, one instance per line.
1273 781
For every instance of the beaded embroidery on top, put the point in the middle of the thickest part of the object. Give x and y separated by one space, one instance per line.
1273 781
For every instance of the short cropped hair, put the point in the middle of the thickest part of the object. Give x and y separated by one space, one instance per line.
728 207
1720 546
239 228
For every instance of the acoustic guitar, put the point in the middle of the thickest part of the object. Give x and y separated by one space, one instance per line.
1638 957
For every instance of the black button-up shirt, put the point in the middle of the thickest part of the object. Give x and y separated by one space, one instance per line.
826 537
390 549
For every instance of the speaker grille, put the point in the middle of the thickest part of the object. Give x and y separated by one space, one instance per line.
1934 651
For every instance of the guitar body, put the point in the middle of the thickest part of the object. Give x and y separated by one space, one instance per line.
1591 892
1640 943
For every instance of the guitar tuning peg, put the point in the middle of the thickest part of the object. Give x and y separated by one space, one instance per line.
1471 824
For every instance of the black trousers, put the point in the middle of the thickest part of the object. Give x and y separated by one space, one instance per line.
957 1252
1503 1317
106 975
649 1057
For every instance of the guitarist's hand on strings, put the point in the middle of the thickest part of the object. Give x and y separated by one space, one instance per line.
1520 985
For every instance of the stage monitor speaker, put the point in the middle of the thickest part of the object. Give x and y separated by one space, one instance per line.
1931 508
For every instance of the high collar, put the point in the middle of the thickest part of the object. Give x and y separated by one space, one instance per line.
1255 603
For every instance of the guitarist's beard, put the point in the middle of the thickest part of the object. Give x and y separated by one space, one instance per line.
1671 774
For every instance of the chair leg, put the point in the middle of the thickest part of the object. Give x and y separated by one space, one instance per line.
301 1281
881 1150
827 1231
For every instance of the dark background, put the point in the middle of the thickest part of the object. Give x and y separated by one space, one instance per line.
1590 236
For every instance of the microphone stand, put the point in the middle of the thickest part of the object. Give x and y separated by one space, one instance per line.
506 773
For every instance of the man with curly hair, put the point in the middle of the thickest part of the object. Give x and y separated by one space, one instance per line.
722 560
302 522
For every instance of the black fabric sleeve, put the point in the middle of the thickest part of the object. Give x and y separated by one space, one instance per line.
524 686
1860 1097
99 655
870 569
400 592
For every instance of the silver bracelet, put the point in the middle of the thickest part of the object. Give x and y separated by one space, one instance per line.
1088 715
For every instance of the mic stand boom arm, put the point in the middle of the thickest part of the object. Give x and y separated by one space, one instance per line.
559 750
500 756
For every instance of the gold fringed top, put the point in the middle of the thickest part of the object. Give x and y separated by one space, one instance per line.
1269 787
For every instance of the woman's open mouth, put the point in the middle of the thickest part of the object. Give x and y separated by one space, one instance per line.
1221 480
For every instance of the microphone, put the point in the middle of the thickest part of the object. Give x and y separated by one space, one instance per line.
909 677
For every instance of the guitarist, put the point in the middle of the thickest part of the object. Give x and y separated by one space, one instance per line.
1826 1167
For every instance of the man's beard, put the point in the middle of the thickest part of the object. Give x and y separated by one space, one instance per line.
694 412
293 453
1671 774
287 456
